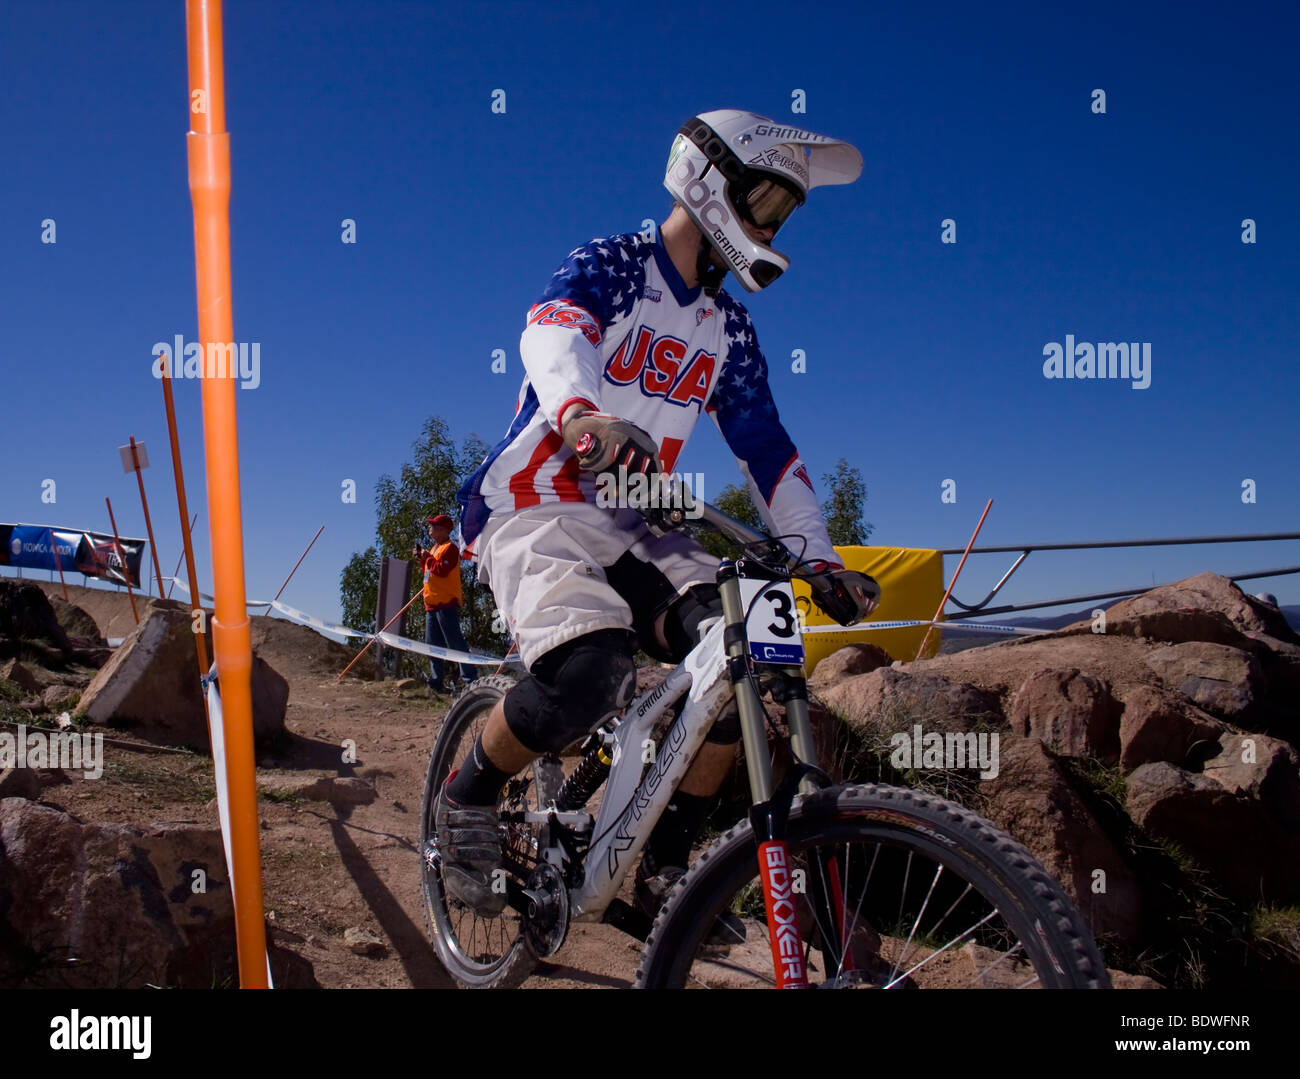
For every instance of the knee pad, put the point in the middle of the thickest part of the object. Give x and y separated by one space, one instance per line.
572 689
682 623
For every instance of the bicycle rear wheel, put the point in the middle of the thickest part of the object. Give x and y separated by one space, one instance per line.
478 952
893 888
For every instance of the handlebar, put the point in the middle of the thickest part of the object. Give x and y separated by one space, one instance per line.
699 512
847 596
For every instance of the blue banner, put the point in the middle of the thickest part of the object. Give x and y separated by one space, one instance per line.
93 554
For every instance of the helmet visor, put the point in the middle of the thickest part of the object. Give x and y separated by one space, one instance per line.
767 203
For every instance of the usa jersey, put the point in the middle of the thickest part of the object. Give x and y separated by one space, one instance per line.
617 329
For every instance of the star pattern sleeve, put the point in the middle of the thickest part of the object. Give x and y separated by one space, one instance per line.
560 346
745 412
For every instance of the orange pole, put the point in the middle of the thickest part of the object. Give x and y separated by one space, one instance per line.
297 564
182 505
54 544
418 593
209 176
951 584
121 557
181 558
153 547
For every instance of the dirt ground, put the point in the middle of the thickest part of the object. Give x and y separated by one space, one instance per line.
326 868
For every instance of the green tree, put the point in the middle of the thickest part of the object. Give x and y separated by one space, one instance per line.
425 485
734 502
843 509
359 589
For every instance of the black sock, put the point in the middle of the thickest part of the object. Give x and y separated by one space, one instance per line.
671 841
479 781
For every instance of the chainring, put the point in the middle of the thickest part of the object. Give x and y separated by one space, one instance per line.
546 922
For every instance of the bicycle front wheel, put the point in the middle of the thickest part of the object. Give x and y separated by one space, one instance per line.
893 889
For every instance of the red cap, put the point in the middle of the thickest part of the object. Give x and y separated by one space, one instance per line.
441 519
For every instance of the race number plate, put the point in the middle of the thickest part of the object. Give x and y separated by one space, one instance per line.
773 623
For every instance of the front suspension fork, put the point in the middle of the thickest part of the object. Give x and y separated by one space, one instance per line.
770 808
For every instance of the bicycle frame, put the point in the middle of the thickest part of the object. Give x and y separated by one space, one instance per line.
632 805
715 670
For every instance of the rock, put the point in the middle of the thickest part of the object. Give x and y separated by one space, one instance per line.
403 684
270 692
1206 607
1070 711
1157 725
343 790
888 701
1003 667
1279 702
57 697
1223 680
1033 801
363 942
976 967
831 737
1250 855
850 660
337 790
106 906
151 685
26 618
1262 768
19 783
20 676
77 624
1120 980
1280 661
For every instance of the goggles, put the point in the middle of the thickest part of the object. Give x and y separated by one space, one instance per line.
767 203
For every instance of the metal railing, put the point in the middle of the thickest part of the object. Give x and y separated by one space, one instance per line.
973 610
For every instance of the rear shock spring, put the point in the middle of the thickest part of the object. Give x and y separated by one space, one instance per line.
588 776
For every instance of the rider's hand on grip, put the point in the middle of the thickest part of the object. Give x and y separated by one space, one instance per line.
847 595
605 443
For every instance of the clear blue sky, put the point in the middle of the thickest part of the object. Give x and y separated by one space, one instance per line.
924 360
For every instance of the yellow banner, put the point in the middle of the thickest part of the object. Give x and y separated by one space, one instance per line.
911 586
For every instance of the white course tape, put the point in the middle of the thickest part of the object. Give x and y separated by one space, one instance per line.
333 628
223 795
393 640
211 600
963 627
476 659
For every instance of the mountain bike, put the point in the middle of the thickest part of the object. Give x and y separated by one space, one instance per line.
834 886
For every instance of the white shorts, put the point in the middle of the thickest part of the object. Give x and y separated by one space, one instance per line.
546 568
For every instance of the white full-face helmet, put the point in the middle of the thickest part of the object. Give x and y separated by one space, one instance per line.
729 166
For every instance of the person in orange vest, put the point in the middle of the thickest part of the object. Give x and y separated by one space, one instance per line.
442 598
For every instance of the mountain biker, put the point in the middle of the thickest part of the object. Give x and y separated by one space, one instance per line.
630 343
